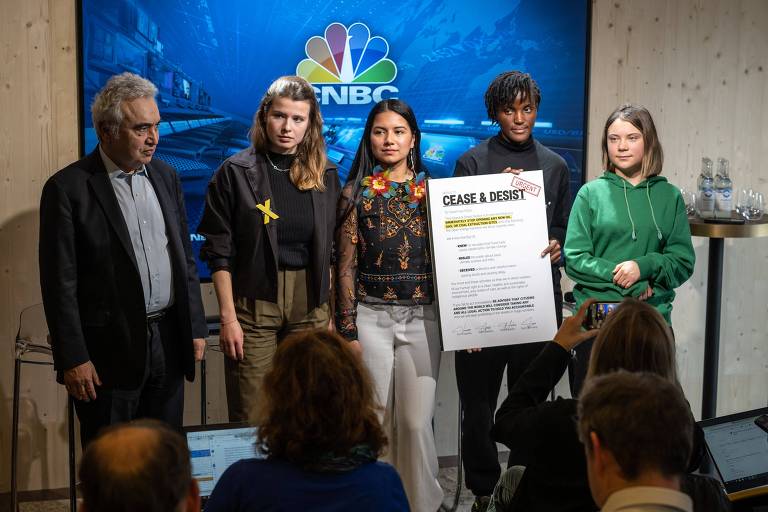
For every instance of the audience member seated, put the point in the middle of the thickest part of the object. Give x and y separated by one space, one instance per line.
706 492
637 432
319 428
548 469
142 465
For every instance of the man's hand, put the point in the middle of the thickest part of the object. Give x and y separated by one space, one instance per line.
231 340
198 348
510 170
476 349
570 334
81 381
553 249
626 273
647 294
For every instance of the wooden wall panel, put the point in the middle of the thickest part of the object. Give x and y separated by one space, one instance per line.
38 134
700 66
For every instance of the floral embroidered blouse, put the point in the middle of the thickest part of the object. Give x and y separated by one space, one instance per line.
382 248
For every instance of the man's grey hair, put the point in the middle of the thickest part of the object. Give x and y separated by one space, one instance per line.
105 109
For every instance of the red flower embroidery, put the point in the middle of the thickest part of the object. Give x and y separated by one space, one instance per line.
378 184
417 190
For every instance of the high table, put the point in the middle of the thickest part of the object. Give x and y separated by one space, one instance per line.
717 233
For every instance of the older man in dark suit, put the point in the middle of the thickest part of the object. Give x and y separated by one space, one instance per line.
119 282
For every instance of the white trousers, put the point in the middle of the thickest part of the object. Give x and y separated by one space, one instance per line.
401 348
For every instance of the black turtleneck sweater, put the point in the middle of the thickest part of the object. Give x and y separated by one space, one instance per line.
497 153
295 227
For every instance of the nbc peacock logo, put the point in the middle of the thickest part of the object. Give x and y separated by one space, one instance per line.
343 60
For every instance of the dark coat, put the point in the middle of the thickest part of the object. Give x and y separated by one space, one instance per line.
92 292
237 239
543 437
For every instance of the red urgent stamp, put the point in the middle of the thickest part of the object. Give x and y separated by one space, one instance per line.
526 186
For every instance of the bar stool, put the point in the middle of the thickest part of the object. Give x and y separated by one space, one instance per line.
33 347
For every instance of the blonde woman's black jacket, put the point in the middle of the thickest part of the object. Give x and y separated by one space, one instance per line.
237 238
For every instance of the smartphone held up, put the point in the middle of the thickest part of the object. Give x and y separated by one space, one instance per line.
597 313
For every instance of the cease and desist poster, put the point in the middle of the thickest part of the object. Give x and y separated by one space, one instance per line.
492 285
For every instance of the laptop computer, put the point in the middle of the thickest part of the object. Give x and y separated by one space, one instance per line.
213 448
739 451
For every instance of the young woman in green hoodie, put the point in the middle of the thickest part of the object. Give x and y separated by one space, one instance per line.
628 233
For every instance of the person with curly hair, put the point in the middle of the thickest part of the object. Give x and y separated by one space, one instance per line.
319 428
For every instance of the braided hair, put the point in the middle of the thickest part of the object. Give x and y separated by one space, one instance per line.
505 89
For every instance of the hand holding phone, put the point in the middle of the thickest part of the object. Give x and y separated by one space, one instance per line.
570 333
597 313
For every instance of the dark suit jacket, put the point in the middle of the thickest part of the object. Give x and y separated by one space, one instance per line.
92 292
237 239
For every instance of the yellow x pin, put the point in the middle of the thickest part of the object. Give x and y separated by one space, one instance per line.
265 209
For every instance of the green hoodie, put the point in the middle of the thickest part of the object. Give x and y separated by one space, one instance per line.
613 221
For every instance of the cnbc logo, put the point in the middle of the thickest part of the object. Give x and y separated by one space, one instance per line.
345 63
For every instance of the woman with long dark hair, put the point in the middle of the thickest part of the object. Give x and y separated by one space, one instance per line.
547 466
268 223
384 290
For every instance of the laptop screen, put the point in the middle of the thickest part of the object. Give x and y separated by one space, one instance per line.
214 448
739 449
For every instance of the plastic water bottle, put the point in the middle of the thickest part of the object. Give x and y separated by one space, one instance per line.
723 190
706 184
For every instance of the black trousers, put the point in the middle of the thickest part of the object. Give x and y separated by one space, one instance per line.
478 377
161 395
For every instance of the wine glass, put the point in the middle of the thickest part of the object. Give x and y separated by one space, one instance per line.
742 202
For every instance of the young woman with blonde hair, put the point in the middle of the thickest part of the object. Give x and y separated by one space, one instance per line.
268 223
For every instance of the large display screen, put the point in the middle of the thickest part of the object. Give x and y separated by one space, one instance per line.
212 60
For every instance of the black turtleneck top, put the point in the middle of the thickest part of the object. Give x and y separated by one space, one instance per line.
497 153
295 227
